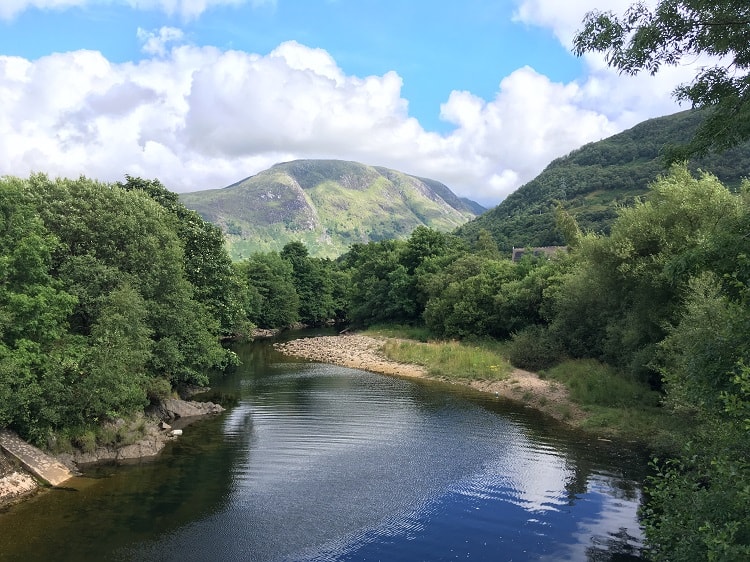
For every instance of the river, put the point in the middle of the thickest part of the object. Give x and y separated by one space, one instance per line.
314 462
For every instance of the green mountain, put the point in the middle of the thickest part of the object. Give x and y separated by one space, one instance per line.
328 205
592 181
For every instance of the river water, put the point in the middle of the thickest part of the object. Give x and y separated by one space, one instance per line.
314 462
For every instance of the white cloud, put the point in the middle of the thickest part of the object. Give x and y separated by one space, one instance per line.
624 98
565 18
155 43
11 8
200 118
510 139
186 9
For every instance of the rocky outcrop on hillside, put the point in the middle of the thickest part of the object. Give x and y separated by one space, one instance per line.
328 205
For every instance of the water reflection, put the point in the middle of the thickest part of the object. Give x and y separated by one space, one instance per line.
115 506
316 462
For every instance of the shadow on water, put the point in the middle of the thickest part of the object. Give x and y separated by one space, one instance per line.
114 505
316 462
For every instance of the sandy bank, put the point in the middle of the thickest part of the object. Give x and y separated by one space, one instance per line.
366 353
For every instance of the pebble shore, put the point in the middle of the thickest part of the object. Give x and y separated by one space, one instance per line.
366 353
355 351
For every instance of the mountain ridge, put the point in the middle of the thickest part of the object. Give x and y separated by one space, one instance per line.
328 205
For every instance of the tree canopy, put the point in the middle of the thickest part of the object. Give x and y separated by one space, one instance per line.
105 295
644 40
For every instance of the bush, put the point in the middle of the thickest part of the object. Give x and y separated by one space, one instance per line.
85 441
534 348
158 389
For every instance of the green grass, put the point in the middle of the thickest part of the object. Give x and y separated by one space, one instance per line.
664 432
402 331
592 383
451 359
617 405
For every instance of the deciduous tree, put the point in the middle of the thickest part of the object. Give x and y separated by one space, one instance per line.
676 31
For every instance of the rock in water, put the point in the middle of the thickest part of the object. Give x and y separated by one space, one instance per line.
173 408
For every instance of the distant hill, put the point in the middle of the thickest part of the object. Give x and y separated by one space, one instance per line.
328 205
592 181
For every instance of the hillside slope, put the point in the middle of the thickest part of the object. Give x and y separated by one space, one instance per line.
328 205
592 181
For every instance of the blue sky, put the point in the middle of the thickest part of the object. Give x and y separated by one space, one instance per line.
478 94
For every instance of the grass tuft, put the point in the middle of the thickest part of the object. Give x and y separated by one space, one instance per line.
452 360
592 383
401 331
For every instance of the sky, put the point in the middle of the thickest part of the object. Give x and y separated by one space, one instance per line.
478 94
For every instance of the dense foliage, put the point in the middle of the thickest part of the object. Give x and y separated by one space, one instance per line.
111 295
101 302
644 40
686 275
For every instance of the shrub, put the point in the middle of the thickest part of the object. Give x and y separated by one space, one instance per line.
158 389
85 441
534 348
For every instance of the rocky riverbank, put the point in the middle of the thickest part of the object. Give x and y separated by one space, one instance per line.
160 425
365 352
14 482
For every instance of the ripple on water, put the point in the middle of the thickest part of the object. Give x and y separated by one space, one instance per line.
317 462
383 466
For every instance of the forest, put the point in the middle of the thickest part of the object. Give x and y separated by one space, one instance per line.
114 295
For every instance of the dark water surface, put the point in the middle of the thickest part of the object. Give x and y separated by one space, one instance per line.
317 462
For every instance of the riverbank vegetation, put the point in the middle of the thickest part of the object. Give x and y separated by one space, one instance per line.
614 405
452 359
116 295
111 296
647 327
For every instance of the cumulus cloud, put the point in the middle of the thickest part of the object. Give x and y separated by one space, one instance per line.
565 18
201 117
531 121
624 98
198 117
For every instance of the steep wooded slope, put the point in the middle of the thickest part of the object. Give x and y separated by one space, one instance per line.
592 181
